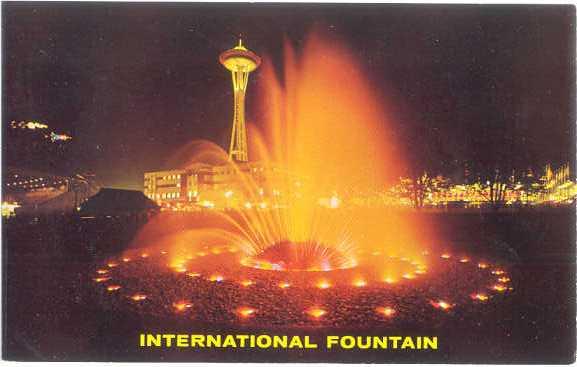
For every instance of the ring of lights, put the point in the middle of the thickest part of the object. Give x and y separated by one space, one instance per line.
212 285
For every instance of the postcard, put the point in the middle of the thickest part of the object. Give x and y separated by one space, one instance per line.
259 182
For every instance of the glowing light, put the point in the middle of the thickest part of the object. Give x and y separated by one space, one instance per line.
246 283
144 255
59 137
479 297
125 259
138 297
504 280
464 260
112 288
176 263
245 312
207 204
445 256
112 264
102 271
409 276
443 305
101 279
316 312
216 278
323 284
390 280
181 306
334 202
32 125
482 266
385 311
498 272
284 285
499 288
360 283
228 194
193 275
9 209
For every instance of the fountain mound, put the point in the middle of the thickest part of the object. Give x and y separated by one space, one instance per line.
300 256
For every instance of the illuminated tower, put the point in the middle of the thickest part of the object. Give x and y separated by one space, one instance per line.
240 62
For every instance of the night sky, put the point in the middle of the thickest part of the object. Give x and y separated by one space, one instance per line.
134 82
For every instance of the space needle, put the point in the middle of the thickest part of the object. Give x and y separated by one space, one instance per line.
240 61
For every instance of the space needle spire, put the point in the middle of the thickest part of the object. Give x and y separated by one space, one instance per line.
241 62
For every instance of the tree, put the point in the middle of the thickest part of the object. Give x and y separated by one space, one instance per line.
420 187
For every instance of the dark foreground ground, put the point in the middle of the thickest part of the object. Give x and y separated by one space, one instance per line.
50 312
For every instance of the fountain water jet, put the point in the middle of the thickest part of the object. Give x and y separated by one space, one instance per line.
326 129
306 245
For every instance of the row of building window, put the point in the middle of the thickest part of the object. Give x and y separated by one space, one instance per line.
171 177
168 195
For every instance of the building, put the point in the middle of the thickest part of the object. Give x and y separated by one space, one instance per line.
165 185
244 184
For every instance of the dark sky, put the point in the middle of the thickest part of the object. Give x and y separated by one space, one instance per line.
133 82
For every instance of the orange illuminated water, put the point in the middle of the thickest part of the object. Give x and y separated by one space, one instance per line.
308 245
326 131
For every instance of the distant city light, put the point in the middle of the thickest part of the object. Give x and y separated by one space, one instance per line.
9 208
35 125
31 125
59 137
222 189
